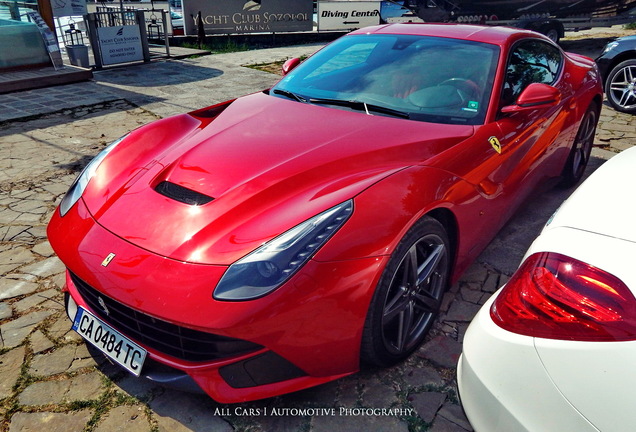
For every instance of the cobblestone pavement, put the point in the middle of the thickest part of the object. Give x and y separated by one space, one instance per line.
50 379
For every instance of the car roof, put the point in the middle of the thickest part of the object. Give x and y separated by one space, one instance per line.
488 34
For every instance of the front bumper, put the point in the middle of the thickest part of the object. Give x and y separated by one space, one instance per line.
305 333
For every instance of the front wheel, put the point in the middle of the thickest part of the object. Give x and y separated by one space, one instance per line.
408 296
620 87
581 149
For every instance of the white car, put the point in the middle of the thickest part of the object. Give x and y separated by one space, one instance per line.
555 348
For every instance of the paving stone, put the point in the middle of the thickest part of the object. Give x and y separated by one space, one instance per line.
29 206
39 342
8 216
12 233
140 388
454 413
427 404
423 376
43 249
349 393
181 412
323 396
51 422
83 358
442 351
57 188
282 423
10 367
124 419
461 331
617 126
44 268
462 311
358 423
59 280
44 393
14 332
475 273
5 311
61 327
38 233
35 300
84 387
492 283
470 294
53 363
378 395
11 260
442 424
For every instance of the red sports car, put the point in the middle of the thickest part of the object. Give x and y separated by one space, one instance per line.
274 242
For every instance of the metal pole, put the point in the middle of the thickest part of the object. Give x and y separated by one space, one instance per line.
91 19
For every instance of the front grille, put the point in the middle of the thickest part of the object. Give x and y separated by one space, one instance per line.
181 194
176 341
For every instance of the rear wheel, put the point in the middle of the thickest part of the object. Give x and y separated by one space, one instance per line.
620 87
408 296
552 32
581 149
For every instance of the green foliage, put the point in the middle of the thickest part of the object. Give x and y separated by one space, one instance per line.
219 47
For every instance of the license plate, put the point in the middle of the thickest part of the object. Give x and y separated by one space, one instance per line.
109 341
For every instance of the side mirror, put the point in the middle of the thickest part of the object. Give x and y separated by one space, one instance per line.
290 64
536 95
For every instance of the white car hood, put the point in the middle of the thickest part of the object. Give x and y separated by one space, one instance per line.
606 202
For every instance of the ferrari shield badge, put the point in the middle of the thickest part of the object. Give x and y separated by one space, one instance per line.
494 142
108 259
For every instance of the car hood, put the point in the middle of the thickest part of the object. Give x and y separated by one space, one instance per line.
265 162
604 203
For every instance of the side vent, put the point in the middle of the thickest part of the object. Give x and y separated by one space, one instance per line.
181 194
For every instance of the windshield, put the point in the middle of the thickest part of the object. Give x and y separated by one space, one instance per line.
421 78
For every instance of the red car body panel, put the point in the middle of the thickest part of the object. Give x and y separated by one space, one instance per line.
271 163
289 162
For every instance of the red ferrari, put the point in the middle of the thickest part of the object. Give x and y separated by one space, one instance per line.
276 241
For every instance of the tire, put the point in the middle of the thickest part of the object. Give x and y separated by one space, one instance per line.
552 32
620 87
581 148
408 295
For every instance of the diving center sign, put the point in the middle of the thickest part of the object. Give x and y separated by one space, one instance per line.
248 16
120 44
347 15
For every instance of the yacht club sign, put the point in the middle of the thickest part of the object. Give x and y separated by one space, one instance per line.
248 16
120 44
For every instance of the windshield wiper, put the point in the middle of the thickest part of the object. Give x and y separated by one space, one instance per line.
361 106
290 95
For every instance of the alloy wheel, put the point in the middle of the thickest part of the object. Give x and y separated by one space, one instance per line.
583 143
414 295
621 87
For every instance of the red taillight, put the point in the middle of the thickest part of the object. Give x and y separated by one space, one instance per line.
557 297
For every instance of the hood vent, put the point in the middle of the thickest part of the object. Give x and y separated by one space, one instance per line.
181 194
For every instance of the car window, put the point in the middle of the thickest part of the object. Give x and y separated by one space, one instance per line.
423 78
350 56
530 61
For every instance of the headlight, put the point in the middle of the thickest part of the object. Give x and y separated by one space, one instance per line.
79 185
610 46
272 264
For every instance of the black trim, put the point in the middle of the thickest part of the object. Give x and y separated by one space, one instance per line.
182 194
168 338
266 368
